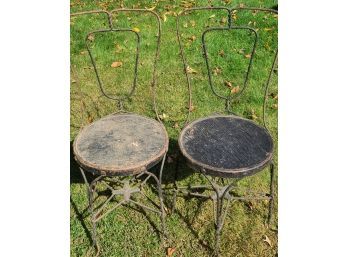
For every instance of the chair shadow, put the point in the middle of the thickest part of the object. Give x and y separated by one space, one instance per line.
175 169
189 223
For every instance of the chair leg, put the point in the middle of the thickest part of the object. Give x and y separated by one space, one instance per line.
218 225
90 192
271 201
160 195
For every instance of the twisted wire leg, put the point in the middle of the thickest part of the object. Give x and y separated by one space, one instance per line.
90 193
271 201
160 195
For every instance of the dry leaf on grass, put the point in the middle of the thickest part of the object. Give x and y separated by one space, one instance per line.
217 71
228 84
164 18
235 90
223 21
135 29
192 38
267 240
163 116
222 53
170 251
116 64
247 56
90 37
190 70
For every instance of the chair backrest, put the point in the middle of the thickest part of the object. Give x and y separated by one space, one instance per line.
105 37
230 24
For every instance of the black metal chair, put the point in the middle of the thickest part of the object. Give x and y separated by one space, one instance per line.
226 146
120 148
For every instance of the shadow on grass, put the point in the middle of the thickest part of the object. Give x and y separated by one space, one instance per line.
174 170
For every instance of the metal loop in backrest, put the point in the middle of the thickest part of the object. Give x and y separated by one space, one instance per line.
230 27
158 43
95 12
205 55
208 8
118 99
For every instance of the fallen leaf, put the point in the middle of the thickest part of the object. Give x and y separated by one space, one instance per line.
268 241
193 23
185 25
176 125
241 51
192 38
164 17
223 20
89 119
267 29
190 70
135 29
116 64
275 106
273 95
170 251
222 53
227 1
83 52
187 4
73 81
235 90
241 5
217 71
247 56
228 84
253 115
191 108
163 116
212 16
90 37
234 14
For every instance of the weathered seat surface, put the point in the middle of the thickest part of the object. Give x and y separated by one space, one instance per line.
226 146
121 144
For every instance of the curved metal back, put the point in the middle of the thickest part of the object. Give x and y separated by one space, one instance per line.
230 26
111 29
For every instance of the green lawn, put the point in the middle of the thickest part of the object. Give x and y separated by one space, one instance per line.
130 233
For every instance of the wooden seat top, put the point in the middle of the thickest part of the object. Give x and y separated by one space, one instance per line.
121 144
226 146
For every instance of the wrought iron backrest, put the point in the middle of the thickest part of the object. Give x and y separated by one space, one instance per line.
230 26
111 29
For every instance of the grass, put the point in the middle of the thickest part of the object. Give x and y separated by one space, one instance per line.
130 233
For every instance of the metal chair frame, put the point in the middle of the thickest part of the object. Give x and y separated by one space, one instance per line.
222 191
120 184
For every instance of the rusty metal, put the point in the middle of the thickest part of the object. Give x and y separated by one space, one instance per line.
222 193
119 183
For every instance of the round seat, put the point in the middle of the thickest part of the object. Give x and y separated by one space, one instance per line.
121 144
226 146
